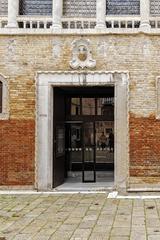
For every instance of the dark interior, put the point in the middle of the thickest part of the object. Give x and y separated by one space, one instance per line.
83 128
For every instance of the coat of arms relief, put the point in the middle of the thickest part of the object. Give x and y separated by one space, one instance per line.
82 55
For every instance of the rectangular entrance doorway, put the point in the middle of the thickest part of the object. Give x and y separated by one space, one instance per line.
83 135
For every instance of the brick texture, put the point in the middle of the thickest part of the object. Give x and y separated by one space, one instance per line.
23 56
144 147
17 147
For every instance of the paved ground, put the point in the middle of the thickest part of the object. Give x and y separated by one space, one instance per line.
78 217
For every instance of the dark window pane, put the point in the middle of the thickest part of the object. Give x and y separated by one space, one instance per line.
3 7
1 85
79 8
36 7
75 148
104 106
88 106
60 136
123 7
75 106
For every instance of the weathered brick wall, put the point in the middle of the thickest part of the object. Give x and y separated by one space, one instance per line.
23 56
17 152
144 147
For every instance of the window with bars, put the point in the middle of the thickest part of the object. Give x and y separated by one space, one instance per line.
3 7
1 96
79 8
36 7
155 7
123 7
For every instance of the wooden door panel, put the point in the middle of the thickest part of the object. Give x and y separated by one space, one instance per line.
59 138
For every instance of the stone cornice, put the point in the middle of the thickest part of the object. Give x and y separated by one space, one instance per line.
83 72
78 32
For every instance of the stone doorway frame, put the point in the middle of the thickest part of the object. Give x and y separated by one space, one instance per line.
45 83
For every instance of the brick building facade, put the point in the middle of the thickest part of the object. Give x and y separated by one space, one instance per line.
36 54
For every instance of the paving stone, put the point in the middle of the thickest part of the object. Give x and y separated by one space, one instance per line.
138 236
81 233
153 231
65 235
101 229
68 227
73 220
98 236
120 238
87 224
120 231
153 237
42 237
54 218
23 237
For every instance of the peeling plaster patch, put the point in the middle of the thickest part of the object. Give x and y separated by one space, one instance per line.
11 53
56 50
146 48
102 48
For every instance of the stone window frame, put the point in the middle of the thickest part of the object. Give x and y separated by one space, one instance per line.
5 111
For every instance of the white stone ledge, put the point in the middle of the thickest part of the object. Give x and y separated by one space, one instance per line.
17 31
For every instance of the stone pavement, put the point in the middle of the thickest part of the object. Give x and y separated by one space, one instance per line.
78 217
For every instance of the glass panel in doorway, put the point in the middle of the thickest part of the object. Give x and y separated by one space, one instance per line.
105 107
88 106
104 150
89 174
75 106
74 151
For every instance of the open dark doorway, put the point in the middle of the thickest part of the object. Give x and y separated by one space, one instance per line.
83 134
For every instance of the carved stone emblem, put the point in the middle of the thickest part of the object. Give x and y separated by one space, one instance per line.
82 55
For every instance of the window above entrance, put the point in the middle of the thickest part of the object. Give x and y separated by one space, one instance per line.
91 106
